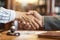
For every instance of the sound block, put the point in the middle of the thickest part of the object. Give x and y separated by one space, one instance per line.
13 34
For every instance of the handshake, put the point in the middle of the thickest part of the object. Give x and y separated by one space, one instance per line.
31 20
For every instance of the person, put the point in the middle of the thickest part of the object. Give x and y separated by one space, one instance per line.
7 15
45 22
49 23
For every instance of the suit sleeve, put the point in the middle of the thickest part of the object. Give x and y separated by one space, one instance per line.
51 23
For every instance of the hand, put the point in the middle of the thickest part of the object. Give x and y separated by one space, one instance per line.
26 22
38 18
31 20
35 14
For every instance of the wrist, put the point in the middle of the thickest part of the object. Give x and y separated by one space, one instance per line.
17 16
42 23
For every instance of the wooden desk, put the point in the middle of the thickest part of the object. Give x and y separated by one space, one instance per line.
24 37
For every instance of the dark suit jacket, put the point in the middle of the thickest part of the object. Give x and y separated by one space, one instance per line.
52 23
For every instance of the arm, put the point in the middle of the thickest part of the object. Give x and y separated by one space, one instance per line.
39 19
7 15
52 22
47 22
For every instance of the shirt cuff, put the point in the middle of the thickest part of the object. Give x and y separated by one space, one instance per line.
13 15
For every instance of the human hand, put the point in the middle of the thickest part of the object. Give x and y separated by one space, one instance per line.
30 21
25 21
38 18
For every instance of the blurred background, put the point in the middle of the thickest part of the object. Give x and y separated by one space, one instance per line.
44 7
25 5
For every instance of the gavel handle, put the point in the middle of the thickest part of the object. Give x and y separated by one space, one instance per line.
15 23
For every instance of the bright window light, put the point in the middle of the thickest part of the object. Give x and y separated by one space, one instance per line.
26 1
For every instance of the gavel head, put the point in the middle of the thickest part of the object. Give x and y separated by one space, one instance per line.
12 29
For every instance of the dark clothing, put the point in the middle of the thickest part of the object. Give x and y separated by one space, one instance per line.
2 26
52 23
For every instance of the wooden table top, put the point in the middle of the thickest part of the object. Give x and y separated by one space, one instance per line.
24 37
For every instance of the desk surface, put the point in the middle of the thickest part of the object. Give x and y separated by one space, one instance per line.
24 37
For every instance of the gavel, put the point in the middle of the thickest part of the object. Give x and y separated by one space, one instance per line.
13 30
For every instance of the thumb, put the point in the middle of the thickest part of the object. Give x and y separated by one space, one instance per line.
37 15
30 12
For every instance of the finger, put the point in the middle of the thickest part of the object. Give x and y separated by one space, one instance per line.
32 25
27 26
23 23
20 25
38 22
35 14
29 20
29 13
34 22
